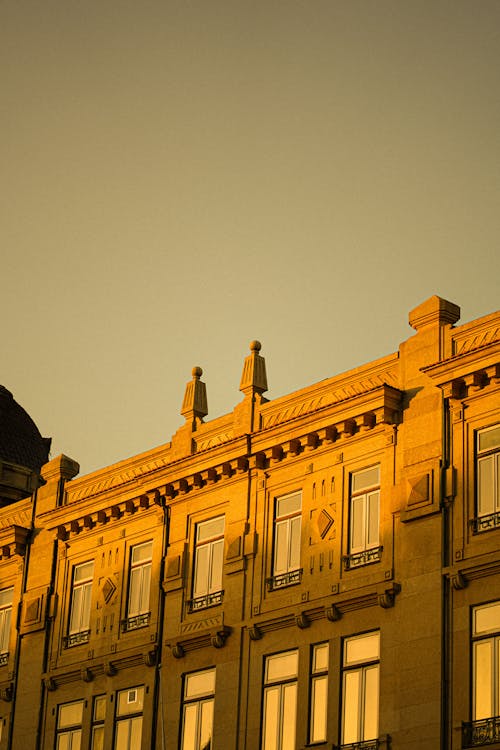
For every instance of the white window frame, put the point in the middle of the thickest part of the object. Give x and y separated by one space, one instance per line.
208 563
129 719
287 540
198 699
488 471
358 716
71 732
318 693
98 722
139 586
364 507
6 602
486 666
279 703
81 602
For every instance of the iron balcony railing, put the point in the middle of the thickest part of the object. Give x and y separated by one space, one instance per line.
205 601
365 557
136 621
485 523
481 732
75 639
4 658
289 578
362 745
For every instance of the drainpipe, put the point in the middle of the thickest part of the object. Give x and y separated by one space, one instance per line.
446 633
157 690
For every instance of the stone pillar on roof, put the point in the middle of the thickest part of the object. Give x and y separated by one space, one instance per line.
194 408
253 384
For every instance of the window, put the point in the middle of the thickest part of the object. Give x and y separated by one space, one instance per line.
129 707
208 560
287 527
79 620
6 596
139 584
318 693
364 518
198 710
280 701
69 726
488 479
360 689
98 717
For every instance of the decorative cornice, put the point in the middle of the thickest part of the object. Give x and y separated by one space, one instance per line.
13 541
215 637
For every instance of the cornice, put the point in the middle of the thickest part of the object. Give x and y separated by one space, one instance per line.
13 541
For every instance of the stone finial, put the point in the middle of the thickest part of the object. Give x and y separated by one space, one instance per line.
254 378
195 397
435 311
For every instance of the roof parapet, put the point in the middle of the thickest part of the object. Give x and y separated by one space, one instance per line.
194 405
254 378
435 311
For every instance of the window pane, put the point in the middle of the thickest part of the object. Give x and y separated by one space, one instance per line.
483 698
76 610
135 591
98 738
289 716
281 548
281 666
135 733
361 648
351 703
207 711
76 739
370 729
200 683
130 701
217 562
319 698
201 572
83 572
122 735
486 619
294 556
373 518
70 715
285 506
489 439
362 480
189 727
358 523
63 741
86 590
100 708
320 657
271 716
142 552
6 597
485 485
145 586
5 619
210 529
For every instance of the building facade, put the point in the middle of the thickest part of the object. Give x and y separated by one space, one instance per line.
318 570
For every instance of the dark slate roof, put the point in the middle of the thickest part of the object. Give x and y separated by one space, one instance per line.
20 440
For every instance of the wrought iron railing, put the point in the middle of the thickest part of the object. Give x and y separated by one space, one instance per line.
481 732
136 621
365 557
289 578
4 658
362 745
485 523
75 639
205 601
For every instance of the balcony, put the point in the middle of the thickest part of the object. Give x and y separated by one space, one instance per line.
363 745
481 732
205 601
485 523
290 578
365 557
4 658
76 639
133 622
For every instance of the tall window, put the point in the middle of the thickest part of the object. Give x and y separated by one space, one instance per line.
364 517
69 726
360 688
208 561
318 693
129 708
486 661
6 596
280 701
488 478
139 584
287 527
98 718
79 619
198 710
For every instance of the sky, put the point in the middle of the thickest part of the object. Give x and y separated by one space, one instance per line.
181 177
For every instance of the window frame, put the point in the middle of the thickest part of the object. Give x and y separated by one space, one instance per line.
128 718
485 520
318 675
81 634
368 550
140 618
290 573
199 700
97 724
212 593
6 624
69 730
280 683
361 666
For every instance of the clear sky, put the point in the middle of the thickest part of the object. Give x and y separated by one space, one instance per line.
179 178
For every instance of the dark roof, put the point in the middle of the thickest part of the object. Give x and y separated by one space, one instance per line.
20 440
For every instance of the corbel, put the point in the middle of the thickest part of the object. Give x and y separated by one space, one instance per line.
458 580
6 692
387 598
198 481
86 674
255 633
331 434
312 441
227 469
277 453
348 427
241 464
49 684
212 475
333 613
170 492
369 421
218 638
294 447
150 657
110 669
302 621
178 651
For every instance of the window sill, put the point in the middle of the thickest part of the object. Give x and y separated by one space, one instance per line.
134 622
281 581
205 602
76 639
480 733
360 559
485 523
